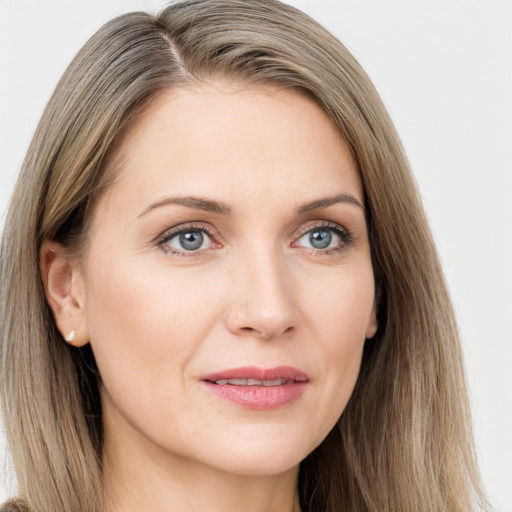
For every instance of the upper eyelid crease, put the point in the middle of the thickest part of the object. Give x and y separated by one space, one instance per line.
210 231
183 228
212 206
330 226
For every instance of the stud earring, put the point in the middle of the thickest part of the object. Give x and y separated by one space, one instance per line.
71 336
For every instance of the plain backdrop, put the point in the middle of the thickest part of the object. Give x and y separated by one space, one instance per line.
444 70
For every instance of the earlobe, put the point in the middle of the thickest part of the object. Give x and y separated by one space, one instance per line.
64 291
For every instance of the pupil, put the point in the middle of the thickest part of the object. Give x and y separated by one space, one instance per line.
191 240
320 238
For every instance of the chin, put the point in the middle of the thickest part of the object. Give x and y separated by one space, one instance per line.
265 456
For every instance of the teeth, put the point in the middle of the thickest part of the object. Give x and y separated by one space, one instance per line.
277 382
251 382
237 382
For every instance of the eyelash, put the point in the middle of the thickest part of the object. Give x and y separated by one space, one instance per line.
345 237
164 239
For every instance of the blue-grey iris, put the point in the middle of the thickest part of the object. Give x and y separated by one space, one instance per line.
320 238
191 240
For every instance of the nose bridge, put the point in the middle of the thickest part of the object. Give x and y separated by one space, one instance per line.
262 302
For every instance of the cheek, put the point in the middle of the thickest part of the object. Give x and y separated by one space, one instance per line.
339 313
339 304
145 323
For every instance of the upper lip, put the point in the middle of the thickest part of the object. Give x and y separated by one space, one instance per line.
253 372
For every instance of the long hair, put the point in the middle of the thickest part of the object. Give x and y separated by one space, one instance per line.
404 441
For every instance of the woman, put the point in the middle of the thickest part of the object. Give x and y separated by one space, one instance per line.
219 289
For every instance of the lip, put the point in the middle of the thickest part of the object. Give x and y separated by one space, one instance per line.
258 397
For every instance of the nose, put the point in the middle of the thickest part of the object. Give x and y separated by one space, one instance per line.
262 299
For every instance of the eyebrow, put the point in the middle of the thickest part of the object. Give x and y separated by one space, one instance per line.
208 205
328 201
197 203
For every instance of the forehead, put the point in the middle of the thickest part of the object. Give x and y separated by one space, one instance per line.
232 141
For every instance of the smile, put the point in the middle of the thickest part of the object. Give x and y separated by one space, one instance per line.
257 388
251 382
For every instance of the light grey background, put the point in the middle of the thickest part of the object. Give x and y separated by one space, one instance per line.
444 69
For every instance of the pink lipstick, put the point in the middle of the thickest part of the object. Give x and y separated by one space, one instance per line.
258 388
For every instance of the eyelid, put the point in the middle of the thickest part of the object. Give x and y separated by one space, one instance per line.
217 240
188 226
342 232
322 224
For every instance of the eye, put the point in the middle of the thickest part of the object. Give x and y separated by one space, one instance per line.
325 238
187 239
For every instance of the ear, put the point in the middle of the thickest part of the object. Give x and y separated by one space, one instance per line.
64 288
373 323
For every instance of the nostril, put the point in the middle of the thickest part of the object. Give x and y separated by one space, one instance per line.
254 332
251 331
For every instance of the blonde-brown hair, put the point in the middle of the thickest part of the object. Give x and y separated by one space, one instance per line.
404 442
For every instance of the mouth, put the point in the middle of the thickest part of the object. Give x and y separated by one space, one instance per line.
258 388
251 382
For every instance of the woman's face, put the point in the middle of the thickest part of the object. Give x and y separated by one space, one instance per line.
232 246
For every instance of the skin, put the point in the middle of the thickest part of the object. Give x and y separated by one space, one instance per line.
256 293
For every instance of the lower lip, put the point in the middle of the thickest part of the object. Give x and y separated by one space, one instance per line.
263 398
